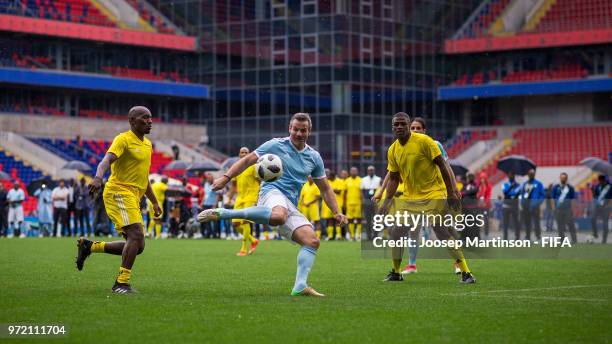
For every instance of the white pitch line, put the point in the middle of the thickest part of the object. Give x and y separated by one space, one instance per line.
529 289
547 298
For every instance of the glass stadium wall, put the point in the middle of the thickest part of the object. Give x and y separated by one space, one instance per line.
350 64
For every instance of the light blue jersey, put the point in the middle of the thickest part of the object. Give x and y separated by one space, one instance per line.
444 154
297 166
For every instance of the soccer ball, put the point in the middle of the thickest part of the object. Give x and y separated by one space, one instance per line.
269 167
590 239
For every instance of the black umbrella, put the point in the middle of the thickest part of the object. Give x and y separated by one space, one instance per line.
458 168
518 164
202 166
78 165
37 184
177 165
229 162
5 176
177 191
598 165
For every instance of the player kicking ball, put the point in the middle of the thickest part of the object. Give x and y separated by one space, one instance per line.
277 203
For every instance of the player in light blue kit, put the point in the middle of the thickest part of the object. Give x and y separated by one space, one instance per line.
277 204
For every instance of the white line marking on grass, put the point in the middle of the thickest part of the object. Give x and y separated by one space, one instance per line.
529 289
546 298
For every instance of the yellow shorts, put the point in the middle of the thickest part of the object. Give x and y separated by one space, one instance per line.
311 212
353 211
241 204
326 213
122 207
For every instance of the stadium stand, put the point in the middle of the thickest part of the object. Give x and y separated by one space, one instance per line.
76 11
574 15
466 138
19 172
92 151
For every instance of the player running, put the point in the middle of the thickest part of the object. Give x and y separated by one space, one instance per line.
246 188
353 204
309 204
418 161
278 200
129 158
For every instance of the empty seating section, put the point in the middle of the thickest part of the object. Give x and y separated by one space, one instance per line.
21 173
155 21
573 15
76 11
92 151
144 74
487 15
557 146
561 72
465 139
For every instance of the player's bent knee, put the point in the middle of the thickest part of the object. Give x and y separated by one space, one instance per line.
314 242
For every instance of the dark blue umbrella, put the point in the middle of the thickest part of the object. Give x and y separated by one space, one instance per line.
78 165
229 162
598 165
177 165
518 164
202 166
458 168
38 183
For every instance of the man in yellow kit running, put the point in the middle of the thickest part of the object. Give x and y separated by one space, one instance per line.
159 189
129 158
309 204
246 188
417 160
339 187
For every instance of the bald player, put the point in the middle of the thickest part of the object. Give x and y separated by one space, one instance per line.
129 158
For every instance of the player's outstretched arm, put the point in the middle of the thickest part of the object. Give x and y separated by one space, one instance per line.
237 168
330 199
103 166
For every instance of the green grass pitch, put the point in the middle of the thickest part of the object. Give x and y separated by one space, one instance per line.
198 291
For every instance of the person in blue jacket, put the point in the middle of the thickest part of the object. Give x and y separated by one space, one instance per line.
602 193
562 195
510 209
532 196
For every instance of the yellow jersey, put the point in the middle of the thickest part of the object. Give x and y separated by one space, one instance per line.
309 193
247 185
159 190
131 169
353 190
339 185
414 162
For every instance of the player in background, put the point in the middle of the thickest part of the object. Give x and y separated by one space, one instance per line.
156 224
246 188
334 230
309 204
353 204
417 160
129 158
278 199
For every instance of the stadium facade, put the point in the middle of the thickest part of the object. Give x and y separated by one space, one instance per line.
351 64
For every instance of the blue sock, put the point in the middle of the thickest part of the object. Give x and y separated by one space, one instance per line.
305 259
412 251
255 214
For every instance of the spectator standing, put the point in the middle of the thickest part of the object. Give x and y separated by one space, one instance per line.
101 222
470 204
82 207
3 211
510 209
59 197
211 198
484 200
15 198
532 196
602 193
562 195
369 185
44 209
71 210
